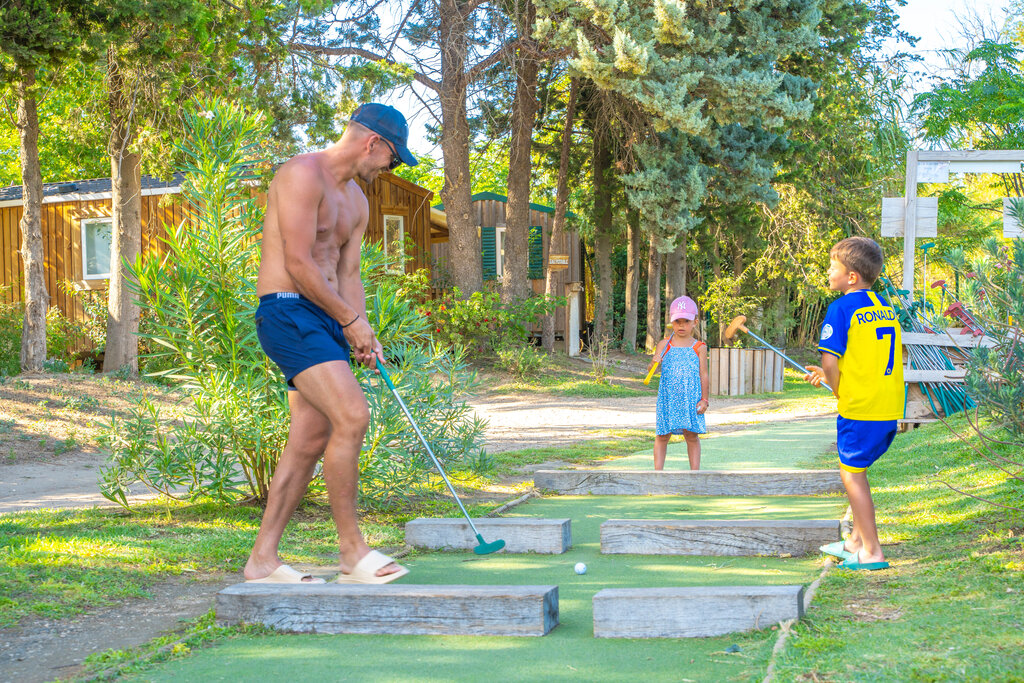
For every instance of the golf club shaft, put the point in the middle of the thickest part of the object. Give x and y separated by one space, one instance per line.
423 440
792 362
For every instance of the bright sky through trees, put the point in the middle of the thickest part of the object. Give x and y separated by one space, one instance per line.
933 21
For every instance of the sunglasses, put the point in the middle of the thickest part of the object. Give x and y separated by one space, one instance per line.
396 160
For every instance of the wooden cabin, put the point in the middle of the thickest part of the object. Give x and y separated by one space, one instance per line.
489 217
77 230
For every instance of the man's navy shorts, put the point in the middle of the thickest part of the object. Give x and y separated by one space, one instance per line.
297 334
862 442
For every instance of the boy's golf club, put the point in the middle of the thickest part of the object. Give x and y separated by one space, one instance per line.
737 324
483 548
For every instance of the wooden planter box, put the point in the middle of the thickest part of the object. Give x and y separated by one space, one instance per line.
736 372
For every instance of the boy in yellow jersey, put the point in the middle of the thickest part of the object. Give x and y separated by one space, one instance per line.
862 359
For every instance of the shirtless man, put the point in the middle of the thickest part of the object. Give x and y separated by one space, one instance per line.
311 319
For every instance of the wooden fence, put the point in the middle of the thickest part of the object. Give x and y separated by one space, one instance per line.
736 372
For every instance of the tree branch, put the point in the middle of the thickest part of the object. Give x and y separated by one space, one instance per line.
365 54
504 51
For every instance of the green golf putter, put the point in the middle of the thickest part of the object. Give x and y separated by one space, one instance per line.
484 548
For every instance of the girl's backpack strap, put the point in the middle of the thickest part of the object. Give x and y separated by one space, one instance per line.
697 345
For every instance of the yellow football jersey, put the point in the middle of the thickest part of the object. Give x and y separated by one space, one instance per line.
861 329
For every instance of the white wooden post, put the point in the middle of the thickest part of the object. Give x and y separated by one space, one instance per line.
910 223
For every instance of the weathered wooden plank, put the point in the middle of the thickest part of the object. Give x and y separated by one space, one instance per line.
723 372
693 612
735 537
1010 155
394 609
758 386
713 364
893 217
964 341
748 373
521 534
911 375
766 482
735 371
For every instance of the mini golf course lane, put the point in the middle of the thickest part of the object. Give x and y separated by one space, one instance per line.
569 652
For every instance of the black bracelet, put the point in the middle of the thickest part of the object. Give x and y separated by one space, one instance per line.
349 323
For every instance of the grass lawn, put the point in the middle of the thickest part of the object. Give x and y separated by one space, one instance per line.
952 608
58 563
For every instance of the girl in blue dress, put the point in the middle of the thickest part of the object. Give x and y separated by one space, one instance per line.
683 389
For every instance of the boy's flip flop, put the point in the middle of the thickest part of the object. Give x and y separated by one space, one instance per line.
285 574
854 564
837 549
366 569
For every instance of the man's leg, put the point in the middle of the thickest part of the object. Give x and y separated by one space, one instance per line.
859 493
307 438
332 390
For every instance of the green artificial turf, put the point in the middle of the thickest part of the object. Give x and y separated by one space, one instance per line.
570 651
790 444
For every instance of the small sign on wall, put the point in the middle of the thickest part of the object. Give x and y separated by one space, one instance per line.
558 261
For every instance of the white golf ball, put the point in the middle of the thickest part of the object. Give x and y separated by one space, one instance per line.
580 568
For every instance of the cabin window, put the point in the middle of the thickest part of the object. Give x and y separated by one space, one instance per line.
97 238
394 238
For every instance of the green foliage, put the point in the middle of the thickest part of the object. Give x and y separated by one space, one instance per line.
522 361
482 323
11 316
201 299
978 108
72 143
64 338
993 289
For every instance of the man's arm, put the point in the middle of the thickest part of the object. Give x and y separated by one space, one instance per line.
296 195
361 337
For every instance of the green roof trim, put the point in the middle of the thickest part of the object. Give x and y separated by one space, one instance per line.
481 196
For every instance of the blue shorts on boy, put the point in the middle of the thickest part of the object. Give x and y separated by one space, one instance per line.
297 334
862 442
862 331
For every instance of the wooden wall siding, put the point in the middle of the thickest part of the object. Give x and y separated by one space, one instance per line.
491 213
10 261
395 196
736 372
62 234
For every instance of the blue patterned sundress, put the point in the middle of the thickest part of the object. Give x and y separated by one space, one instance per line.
679 391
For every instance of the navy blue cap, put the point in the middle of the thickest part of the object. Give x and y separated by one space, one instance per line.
389 123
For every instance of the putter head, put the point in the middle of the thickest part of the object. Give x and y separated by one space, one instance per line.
487 548
736 324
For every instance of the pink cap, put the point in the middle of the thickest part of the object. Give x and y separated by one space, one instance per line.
683 307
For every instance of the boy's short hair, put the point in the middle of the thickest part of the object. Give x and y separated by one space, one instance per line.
860 255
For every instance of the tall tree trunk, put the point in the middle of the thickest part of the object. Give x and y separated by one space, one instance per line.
122 350
516 282
675 272
464 257
36 299
557 243
632 280
654 258
602 238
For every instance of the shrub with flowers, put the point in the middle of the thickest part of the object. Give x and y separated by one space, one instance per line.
482 324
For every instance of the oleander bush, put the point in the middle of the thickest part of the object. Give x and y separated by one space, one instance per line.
201 337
